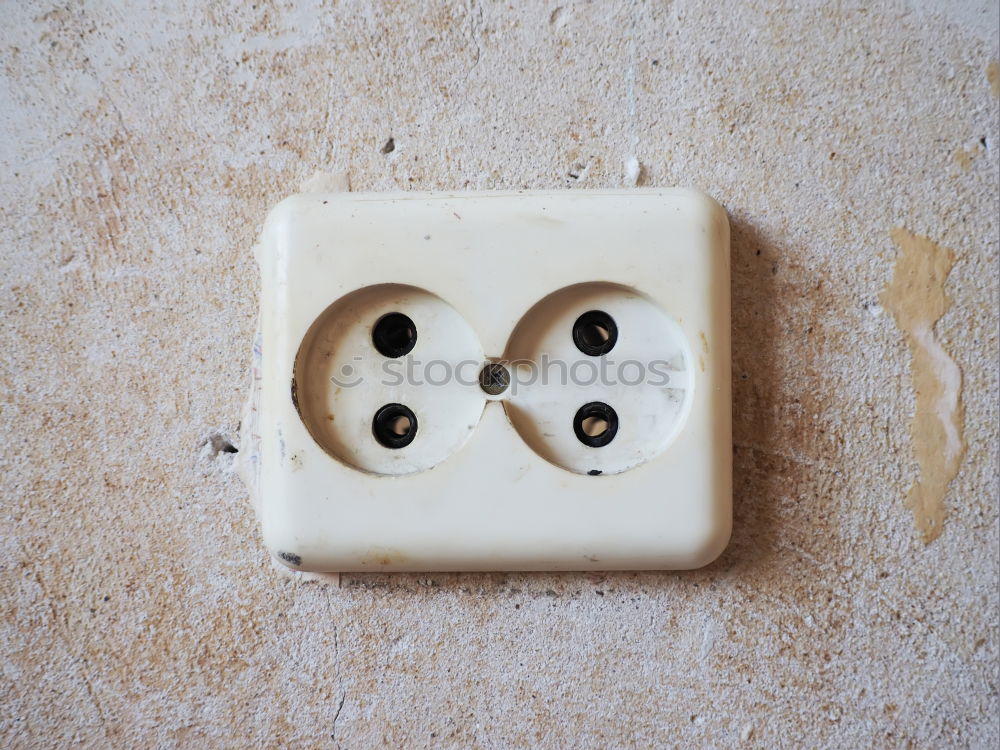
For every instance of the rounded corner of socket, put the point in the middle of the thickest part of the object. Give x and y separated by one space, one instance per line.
710 546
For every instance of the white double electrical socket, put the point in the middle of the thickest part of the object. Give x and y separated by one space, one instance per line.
495 381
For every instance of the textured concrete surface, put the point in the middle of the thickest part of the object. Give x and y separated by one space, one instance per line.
141 148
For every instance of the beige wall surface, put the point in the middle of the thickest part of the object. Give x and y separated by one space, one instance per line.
140 149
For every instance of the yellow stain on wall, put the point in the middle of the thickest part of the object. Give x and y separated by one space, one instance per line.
963 157
917 299
993 76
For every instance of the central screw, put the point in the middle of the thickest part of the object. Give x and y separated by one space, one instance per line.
494 378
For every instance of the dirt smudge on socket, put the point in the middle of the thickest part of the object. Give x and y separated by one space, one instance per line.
917 299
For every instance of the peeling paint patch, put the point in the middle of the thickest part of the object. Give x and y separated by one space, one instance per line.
917 299
327 182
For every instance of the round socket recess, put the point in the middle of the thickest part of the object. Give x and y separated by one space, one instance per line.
387 379
601 378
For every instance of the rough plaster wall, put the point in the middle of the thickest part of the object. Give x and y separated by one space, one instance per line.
141 148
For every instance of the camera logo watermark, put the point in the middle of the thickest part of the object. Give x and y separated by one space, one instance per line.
604 371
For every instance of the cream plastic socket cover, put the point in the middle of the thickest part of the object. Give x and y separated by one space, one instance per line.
495 381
